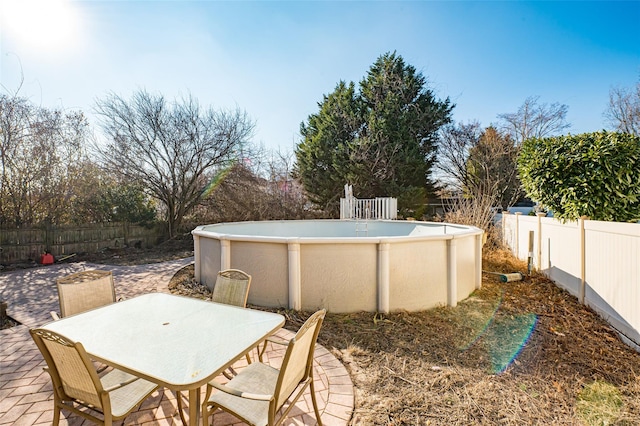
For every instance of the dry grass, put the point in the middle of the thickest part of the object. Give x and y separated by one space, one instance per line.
599 403
513 353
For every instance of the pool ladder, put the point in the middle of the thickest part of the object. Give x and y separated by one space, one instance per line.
361 228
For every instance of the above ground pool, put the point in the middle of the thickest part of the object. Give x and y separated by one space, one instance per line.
345 265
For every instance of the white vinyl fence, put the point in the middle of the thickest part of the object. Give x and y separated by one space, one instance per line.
383 208
598 262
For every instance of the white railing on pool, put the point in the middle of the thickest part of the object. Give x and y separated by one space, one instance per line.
369 208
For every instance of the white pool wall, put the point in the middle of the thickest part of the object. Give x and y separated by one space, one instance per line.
398 265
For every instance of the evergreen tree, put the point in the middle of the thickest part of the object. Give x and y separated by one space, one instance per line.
492 169
381 140
323 158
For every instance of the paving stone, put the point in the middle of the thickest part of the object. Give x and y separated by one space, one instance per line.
26 396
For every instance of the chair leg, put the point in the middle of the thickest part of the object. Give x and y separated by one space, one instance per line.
229 373
315 403
56 416
206 412
180 408
207 394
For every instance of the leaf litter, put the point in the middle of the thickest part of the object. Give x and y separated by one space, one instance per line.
523 352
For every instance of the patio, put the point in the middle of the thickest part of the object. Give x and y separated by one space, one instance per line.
25 389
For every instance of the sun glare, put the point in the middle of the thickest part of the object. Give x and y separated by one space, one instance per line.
44 25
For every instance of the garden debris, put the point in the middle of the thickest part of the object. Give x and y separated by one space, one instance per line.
436 367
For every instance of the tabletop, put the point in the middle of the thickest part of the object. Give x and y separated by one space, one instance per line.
175 341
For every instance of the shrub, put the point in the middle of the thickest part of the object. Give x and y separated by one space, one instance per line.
592 174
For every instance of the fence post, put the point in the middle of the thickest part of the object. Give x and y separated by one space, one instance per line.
539 251
504 226
48 236
125 232
517 236
582 257
479 239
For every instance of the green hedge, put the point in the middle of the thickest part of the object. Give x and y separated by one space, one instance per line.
592 174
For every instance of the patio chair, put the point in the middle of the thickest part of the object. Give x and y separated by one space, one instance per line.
232 288
77 387
259 391
83 291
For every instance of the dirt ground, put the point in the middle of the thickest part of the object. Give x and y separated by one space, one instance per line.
518 353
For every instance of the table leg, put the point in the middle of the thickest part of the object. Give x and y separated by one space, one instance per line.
194 407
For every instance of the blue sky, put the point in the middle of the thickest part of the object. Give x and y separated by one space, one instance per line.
277 59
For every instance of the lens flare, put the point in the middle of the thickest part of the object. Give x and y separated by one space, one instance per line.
483 324
510 336
217 179
503 335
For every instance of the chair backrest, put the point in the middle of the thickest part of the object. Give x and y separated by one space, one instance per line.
72 373
297 364
232 287
85 290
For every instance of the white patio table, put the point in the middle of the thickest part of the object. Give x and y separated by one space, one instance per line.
177 342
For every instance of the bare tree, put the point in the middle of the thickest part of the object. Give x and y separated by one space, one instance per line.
169 147
286 193
39 153
534 120
455 142
623 112
478 168
257 188
235 194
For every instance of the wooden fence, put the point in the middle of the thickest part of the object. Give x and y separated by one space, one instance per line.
598 262
19 245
